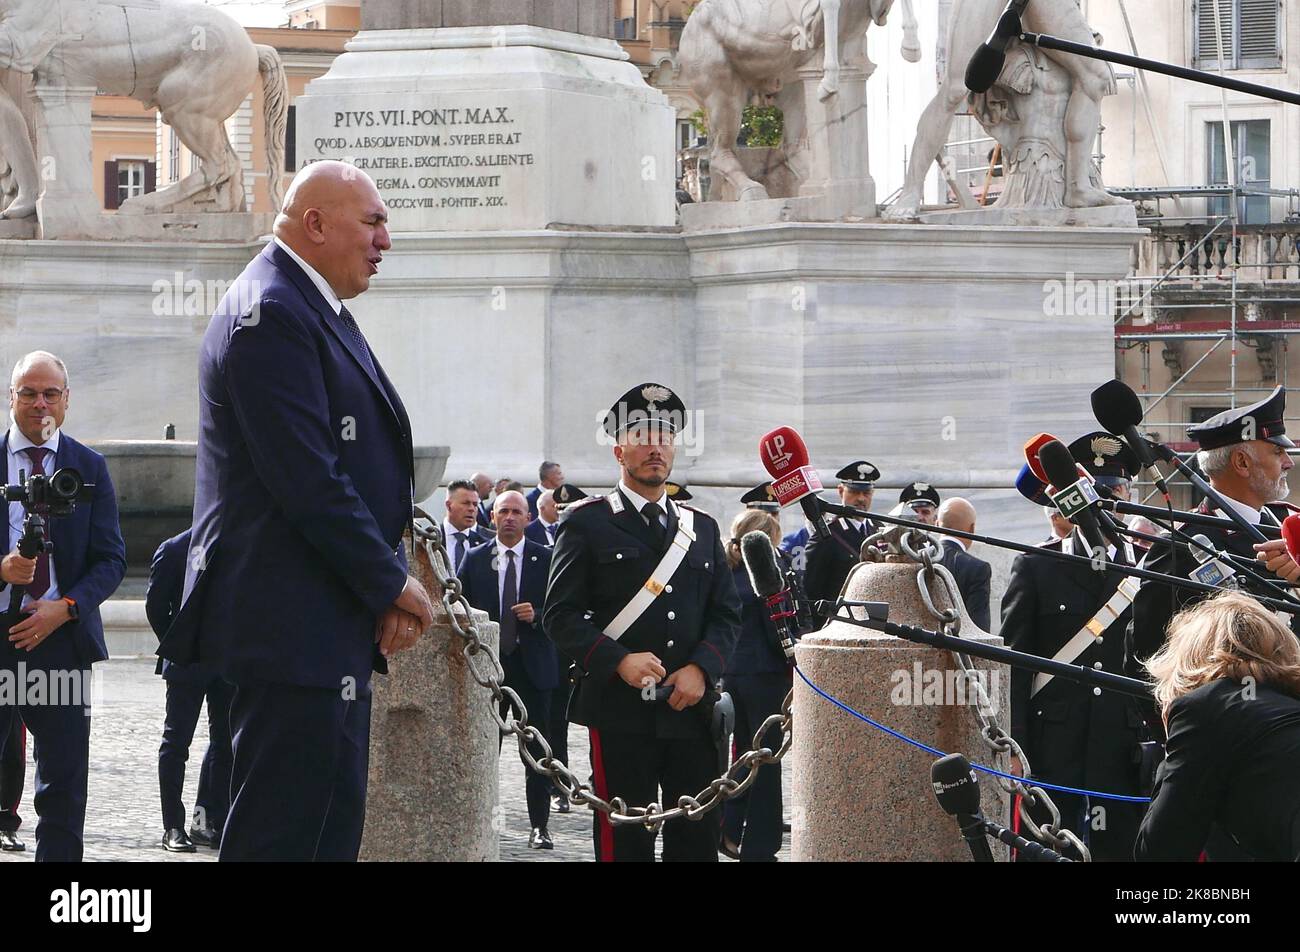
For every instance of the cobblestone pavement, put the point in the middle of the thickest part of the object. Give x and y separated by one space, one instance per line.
123 820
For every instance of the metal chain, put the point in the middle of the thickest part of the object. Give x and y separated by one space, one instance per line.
485 668
1002 745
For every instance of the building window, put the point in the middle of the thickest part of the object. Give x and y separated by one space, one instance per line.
173 156
1252 37
1251 155
127 178
625 29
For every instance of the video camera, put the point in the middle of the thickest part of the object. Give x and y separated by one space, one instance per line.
42 498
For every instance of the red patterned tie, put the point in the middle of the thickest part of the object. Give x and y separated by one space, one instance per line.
41 584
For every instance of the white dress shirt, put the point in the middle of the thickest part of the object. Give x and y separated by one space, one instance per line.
449 533
639 502
18 460
548 527
322 285
502 562
1252 516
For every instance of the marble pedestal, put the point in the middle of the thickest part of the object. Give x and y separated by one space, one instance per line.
860 794
495 128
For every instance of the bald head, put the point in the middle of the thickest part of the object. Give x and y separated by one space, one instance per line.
335 220
957 513
510 516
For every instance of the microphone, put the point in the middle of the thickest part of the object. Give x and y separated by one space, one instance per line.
1031 487
1291 536
785 457
1076 497
1031 455
1209 569
958 791
765 577
986 65
1119 411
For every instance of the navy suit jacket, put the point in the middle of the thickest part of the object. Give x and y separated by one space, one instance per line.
532 496
537 532
89 554
478 578
162 599
974 580
302 492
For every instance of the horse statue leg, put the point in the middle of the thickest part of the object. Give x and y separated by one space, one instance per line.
830 84
20 157
911 34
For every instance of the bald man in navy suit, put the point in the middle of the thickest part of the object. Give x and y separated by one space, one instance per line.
298 586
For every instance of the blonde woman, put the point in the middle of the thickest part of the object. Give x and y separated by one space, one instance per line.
1228 685
758 678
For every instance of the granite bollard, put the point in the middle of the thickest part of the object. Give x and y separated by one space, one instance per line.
859 793
433 748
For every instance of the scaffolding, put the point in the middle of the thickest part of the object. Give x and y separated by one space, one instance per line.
1209 279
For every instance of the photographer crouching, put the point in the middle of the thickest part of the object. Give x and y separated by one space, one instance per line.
1228 685
51 597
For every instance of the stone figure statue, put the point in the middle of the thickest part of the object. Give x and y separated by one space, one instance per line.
192 62
1044 110
730 48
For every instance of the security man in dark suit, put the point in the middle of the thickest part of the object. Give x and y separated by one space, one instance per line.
507 579
827 562
542 530
640 597
1243 455
297 588
1073 734
549 478
459 530
187 687
974 576
57 629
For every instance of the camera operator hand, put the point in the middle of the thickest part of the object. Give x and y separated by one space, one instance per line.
15 570
41 620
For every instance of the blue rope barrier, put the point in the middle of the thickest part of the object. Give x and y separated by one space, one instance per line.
939 753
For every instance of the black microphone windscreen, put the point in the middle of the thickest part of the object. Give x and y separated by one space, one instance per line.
1058 464
760 563
1116 406
955 785
984 68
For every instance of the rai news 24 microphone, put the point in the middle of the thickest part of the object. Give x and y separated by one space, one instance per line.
1291 536
759 556
785 457
1210 570
1077 495
986 65
958 791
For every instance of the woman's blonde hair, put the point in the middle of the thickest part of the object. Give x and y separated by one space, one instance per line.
751 520
1228 636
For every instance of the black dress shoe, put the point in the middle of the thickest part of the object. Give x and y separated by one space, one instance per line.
560 803
539 839
175 841
205 836
10 843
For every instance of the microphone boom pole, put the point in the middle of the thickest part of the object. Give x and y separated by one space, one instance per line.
1046 42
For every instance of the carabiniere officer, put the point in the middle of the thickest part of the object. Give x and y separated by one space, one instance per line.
640 597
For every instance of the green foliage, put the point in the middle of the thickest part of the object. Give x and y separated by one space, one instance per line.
759 125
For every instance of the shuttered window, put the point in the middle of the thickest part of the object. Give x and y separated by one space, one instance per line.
1252 37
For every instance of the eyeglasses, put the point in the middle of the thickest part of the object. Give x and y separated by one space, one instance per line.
27 396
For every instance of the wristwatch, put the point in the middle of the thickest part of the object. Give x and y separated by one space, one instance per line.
73 612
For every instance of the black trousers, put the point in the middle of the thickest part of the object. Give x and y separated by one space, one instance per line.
60 740
559 735
753 819
636 767
298 779
537 788
184 703
13 776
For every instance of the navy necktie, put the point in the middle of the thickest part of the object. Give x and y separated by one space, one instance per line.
41 583
459 554
363 349
509 596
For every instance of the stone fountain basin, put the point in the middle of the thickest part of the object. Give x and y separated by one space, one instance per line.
154 482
